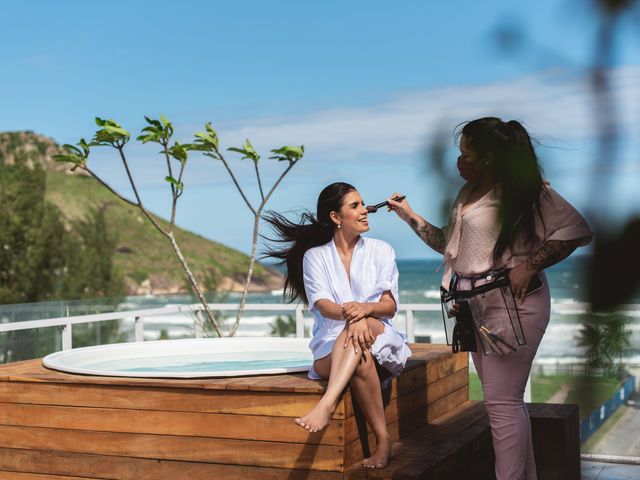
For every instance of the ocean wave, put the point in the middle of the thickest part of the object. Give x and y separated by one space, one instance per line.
432 294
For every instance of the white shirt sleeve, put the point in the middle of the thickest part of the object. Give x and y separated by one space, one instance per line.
387 278
316 282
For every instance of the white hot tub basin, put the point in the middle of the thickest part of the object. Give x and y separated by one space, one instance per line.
190 358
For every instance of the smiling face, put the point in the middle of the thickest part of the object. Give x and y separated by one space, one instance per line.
469 164
352 216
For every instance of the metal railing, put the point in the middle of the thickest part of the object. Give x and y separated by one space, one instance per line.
193 309
196 310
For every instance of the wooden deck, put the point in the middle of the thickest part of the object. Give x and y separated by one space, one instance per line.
57 425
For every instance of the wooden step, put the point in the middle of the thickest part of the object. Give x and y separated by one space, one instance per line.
458 445
450 447
555 431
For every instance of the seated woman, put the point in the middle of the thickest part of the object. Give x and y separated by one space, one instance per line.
350 284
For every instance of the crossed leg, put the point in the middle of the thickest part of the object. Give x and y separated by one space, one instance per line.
344 367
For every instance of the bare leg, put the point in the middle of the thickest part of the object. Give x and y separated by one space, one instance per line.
365 386
343 366
339 368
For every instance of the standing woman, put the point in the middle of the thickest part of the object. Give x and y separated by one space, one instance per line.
505 216
350 284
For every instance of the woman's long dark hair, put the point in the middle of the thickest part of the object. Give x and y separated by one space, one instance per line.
310 231
507 150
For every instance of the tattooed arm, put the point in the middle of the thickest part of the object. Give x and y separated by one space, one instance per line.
429 234
549 254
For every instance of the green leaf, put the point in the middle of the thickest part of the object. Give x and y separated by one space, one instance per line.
206 141
288 153
85 147
117 130
110 133
210 129
247 151
75 155
72 149
236 149
175 182
179 152
154 123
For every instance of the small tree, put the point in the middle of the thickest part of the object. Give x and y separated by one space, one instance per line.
111 134
616 339
590 336
605 340
283 326
207 142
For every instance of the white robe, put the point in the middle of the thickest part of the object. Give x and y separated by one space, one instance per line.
373 271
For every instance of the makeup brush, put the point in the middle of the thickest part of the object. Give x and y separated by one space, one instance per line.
374 208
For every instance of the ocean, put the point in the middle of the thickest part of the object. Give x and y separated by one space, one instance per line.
419 283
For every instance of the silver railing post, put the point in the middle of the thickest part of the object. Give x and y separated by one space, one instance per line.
139 329
67 338
527 390
299 322
411 325
197 320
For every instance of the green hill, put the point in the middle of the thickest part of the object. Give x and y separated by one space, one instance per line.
143 255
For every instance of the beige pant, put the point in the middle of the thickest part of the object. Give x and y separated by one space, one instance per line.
504 378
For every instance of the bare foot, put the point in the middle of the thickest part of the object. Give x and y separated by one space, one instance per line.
381 456
317 419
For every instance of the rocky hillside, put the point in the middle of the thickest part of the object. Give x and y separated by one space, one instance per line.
143 255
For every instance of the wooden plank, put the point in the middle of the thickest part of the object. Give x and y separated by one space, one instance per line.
33 371
126 468
446 366
152 398
555 432
38 476
460 444
403 430
353 450
448 403
241 427
169 447
423 374
414 400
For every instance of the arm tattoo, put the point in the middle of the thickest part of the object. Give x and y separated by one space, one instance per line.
551 253
432 236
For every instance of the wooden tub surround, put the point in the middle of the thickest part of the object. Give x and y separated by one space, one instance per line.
55 425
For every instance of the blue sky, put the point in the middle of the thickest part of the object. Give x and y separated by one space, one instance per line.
363 85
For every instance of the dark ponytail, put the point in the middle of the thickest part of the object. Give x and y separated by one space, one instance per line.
508 151
310 231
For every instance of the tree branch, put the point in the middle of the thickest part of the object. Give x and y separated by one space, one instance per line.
135 191
252 259
108 187
168 158
255 165
176 195
194 283
275 185
233 177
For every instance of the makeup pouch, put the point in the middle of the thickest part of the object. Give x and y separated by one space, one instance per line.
489 307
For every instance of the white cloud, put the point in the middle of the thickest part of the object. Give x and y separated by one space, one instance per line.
554 104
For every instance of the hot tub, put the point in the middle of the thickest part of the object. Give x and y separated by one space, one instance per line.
190 358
